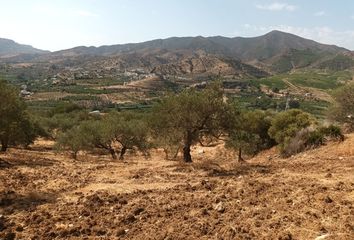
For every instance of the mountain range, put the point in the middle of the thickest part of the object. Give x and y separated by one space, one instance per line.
10 48
274 52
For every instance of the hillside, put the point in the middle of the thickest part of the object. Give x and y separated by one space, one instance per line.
276 47
119 73
272 53
274 44
246 49
46 195
9 48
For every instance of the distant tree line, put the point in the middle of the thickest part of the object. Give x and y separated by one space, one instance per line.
176 123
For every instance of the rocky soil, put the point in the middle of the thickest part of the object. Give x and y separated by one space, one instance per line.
46 195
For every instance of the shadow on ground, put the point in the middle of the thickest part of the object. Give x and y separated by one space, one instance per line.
213 169
11 201
18 160
241 169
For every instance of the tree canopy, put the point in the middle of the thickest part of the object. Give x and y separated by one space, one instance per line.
16 127
115 133
343 110
249 132
192 114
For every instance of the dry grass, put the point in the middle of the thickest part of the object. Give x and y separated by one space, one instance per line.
47 195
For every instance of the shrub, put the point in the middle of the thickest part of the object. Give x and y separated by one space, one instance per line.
309 138
297 143
315 139
64 107
290 126
333 132
343 110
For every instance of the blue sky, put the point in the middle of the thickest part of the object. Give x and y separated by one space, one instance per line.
61 24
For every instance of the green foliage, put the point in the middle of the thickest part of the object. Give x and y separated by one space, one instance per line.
73 141
309 138
338 63
333 132
81 97
315 107
275 81
250 132
295 58
62 122
314 139
98 134
321 80
116 132
286 125
16 126
343 110
169 140
264 103
130 131
192 114
64 107
275 89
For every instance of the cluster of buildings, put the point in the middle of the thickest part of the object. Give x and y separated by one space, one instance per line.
68 76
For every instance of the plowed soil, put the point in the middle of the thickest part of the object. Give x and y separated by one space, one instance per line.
47 195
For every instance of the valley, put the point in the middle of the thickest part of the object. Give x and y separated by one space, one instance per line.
136 74
178 138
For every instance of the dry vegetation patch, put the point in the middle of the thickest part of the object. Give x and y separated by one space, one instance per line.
45 195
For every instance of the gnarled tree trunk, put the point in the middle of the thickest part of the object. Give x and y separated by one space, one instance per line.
122 152
187 148
240 158
4 145
113 153
74 155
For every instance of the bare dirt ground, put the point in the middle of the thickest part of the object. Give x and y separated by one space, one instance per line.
46 195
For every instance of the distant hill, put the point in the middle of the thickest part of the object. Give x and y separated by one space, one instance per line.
178 63
272 44
272 53
246 49
9 48
275 51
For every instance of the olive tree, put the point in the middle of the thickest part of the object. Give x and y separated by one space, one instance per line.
16 126
169 140
129 131
249 132
73 141
343 109
115 133
192 113
99 134
86 136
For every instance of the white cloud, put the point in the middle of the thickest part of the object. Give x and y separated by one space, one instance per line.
322 34
320 14
352 17
276 6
